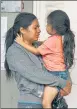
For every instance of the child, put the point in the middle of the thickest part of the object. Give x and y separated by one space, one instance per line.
57 51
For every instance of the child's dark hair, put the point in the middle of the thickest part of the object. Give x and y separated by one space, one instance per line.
61 23
22 20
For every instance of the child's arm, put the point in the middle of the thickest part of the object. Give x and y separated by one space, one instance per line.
32 49
40 42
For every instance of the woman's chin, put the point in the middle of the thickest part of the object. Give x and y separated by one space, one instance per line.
36 39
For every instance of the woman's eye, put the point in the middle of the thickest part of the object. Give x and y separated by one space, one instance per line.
35 28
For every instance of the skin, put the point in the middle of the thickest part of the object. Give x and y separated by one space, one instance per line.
28 36
31 48
50 29
31 34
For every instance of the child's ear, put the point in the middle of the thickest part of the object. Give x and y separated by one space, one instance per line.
49 29
54 31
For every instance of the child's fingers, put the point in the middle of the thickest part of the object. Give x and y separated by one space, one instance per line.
19 35
19 38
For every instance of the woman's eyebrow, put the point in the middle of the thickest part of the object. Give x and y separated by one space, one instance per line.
37 25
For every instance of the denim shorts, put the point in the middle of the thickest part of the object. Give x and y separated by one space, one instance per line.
29 105
61 74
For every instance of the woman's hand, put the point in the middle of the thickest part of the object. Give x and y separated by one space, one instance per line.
66 90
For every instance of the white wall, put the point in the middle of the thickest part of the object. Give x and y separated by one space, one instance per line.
70 8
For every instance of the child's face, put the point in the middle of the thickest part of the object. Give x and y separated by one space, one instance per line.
50 30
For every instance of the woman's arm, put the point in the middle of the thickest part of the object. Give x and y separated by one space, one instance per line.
67 89
20 62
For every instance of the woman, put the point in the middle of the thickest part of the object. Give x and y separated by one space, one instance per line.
28 69
57 51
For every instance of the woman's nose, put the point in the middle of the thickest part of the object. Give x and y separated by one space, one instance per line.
39 30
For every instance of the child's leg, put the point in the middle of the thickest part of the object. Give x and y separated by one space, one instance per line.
49 95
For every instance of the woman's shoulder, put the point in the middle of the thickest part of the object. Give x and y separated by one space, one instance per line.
16 52
15 48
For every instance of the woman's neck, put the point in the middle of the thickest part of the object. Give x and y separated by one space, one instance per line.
28 42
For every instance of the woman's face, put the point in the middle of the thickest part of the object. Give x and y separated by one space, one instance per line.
32 32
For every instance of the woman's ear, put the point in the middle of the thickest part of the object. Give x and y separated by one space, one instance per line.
21 30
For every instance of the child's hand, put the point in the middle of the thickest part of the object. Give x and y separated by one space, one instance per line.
19 39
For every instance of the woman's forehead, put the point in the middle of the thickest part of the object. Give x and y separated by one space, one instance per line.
35 22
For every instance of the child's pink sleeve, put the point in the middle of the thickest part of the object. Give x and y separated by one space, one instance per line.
47 47
42 49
